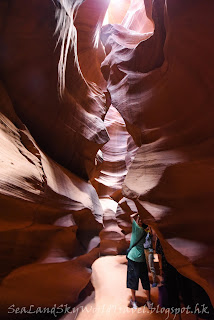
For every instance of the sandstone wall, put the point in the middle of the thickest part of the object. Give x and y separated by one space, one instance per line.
29 59
161 82
50 222
50 214
159 73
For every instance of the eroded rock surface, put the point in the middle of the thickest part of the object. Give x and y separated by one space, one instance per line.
112 171
162 85
50 222
50 217
108 182
29 61
159 72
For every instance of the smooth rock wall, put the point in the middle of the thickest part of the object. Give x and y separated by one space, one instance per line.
70 129
50 222
162 85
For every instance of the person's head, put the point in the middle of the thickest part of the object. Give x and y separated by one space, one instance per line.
146 227
140 222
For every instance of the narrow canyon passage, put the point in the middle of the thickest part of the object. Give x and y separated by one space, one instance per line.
106 110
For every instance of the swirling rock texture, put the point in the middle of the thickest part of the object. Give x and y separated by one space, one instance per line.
108 181
112 171
118 153
161 82
31 78
53 100
50 222
50 214
88 22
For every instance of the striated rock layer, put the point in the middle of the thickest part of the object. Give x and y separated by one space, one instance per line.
159 72
161 82
89 48
111 173
108 181
118 153
30 64
50 222
51 128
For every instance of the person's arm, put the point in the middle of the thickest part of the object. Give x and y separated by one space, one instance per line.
133 216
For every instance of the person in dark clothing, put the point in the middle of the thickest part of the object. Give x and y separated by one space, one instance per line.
149 254
195 296
169 277
192 294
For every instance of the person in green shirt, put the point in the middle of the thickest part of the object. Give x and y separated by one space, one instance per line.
137 267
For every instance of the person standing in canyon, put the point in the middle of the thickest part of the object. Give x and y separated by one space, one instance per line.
149 253
137 267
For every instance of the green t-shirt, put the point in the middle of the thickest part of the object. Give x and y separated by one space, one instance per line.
137 252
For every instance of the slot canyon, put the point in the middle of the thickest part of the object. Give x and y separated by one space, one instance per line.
105 111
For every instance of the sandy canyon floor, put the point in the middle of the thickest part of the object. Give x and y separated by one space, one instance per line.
110 300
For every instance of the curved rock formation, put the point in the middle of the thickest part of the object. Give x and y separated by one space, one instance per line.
111 174
89 48
50 222
53 101
108 181
162 85
50 217
112 240
30 76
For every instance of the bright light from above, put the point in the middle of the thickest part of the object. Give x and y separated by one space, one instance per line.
116 11
118 2
105 21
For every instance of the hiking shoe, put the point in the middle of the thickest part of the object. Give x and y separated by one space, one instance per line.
154 285
133 304
149 304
